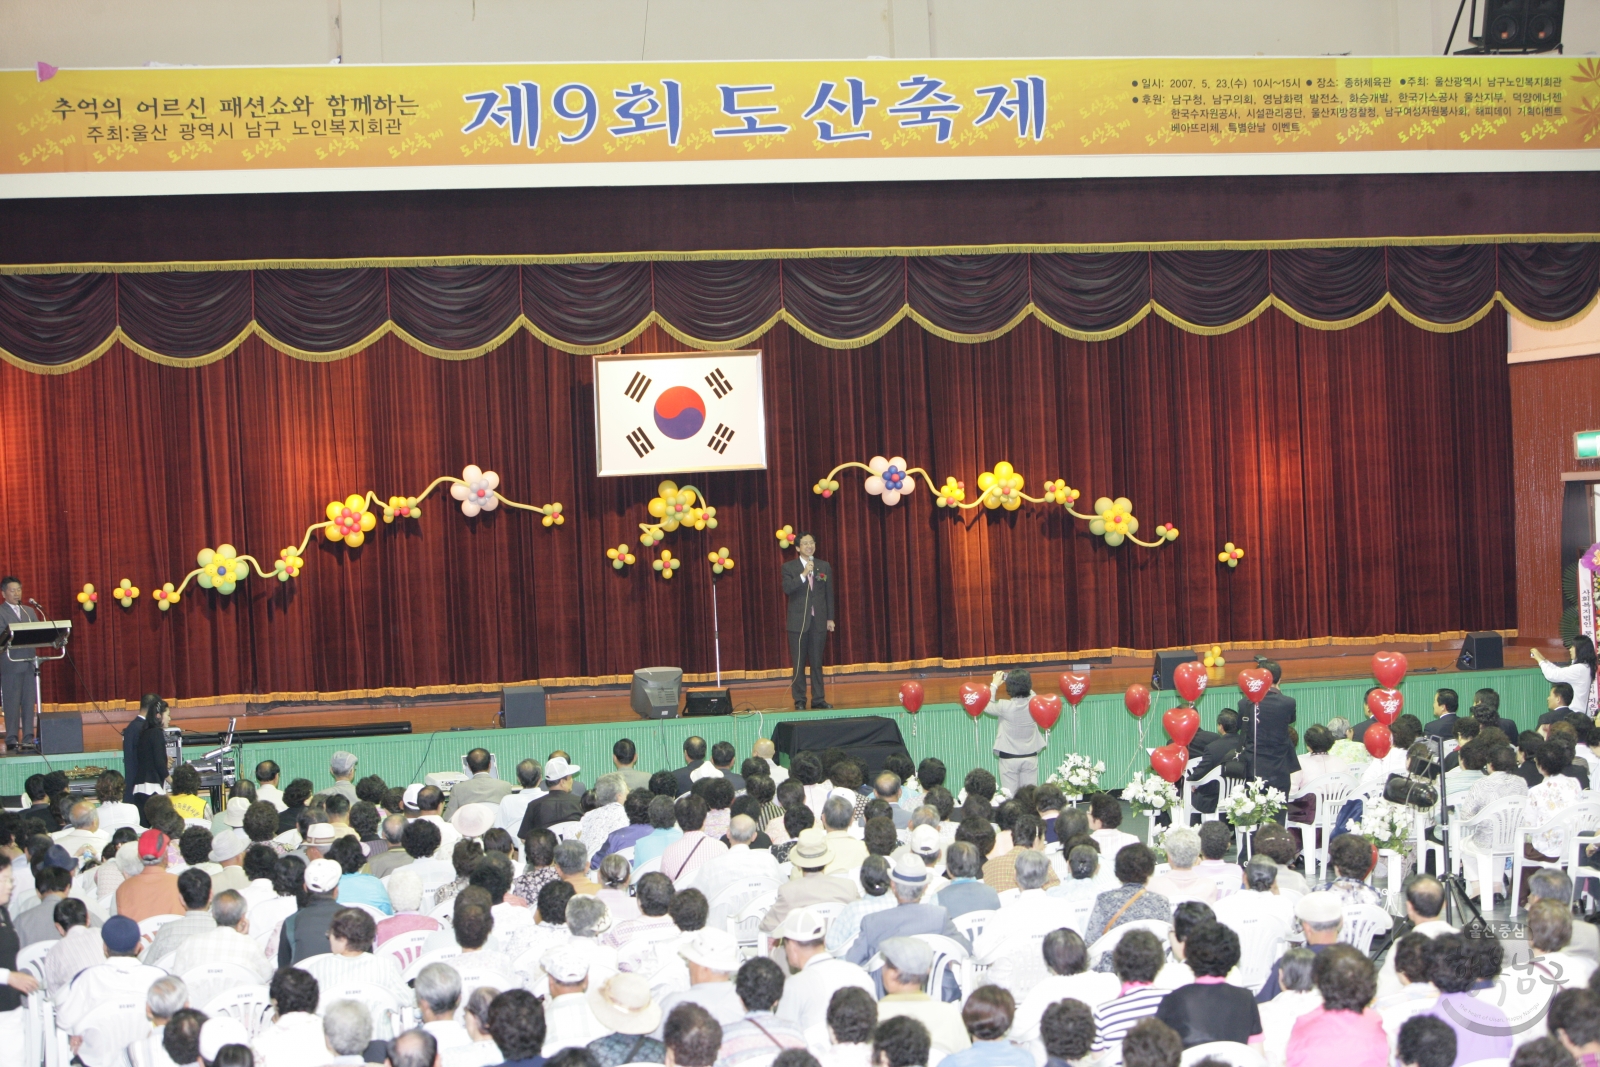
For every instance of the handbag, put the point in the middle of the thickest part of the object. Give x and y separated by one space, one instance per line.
1410 790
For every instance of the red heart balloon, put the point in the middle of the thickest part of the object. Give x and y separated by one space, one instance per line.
1389 668
911 696
1191 680
1137 699
1378 740
1254 683
974 698
1385 705
1181 724
1045 709
1169 761
1074 687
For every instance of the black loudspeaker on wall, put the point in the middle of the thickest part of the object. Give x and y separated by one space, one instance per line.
60 732
521 705
1522 25
1166 663
1483 651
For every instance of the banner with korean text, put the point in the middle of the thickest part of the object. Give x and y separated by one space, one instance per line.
87 132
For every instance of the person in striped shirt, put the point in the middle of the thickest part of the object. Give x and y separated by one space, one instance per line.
1136 960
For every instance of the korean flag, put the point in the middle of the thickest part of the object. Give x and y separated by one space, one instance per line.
679 413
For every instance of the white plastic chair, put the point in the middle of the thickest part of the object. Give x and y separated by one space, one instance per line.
115 1024
211 981
421 960
827 910
565 831
388 1019
39 1025
1504 819
1571 825
1109 941
1078 915
249 1005
1230 1052
1362 923
745 925
1261 941
947 954
1017 965
972 924
649 866
1331 791
404 948
731 900
377 913
1187 795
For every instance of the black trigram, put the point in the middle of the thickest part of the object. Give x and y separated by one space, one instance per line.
641 444
720 439
636 388
719 383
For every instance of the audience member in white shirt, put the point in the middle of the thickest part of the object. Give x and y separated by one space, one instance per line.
568 1019
1411 993
1067 958
1316 762
739 864
481 1051
165 998
817 975
84 835
1181 881
295 1037
844 1038
1105 816
1298 997
712 957
1261 916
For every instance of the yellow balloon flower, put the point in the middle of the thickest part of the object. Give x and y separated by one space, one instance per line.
126 592
349 520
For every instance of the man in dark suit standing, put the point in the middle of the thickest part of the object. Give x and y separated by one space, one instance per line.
130 741
808 583
1214 755
1443 726
16 674
1264 732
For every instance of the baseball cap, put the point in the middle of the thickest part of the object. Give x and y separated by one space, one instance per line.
925 841
233 814
1321 907
120 933
802 924
227 845
60 857
409 799
568 966
322 876
558 768
220 1030
153 844
716 950
907 955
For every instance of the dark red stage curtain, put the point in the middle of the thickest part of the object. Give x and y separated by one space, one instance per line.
1366 472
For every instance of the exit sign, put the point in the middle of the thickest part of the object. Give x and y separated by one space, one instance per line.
1586 444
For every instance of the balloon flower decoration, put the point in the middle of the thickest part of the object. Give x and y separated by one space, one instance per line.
786 537
88 598
720 561
1231 554
1213 658
890 479
666 566
673 507
347 521
621 556
126 593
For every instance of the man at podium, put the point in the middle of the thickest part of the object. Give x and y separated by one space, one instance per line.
16 675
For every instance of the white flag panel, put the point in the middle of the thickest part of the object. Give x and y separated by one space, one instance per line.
679 413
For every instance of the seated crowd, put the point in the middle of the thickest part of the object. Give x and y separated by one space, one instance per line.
719 916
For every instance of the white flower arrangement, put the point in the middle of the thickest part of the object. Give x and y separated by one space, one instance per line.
1151 793
1000 797
1257 803
1386 825
1078 776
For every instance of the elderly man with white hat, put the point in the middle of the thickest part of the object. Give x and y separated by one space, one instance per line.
810 857
472 821
623 1006
305 931
712 956
908 881
817 975
227 851
560 804
569 1022
1321 916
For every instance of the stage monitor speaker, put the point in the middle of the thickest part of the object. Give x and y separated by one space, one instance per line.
1166 663
707 702
1522 25
521 705
656 692
1483 651
60 732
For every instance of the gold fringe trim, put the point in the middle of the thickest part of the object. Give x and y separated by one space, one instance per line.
792 253
748 676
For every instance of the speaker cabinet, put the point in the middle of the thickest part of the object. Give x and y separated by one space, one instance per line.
60 732
1166 663
521 705
707 702
1522 25
1483 651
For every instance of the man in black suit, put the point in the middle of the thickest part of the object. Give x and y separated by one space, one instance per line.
1359 730
16 675
1443 726
694 757
1559 701
1489 701
1264 732
1215 754
808 583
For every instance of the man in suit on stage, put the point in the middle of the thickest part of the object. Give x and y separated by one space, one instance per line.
16 678
808 583
1267 739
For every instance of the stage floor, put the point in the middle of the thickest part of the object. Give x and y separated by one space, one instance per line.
102 726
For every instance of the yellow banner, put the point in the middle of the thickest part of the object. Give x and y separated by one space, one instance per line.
175 120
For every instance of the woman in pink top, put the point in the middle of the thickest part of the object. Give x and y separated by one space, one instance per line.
1344 1032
